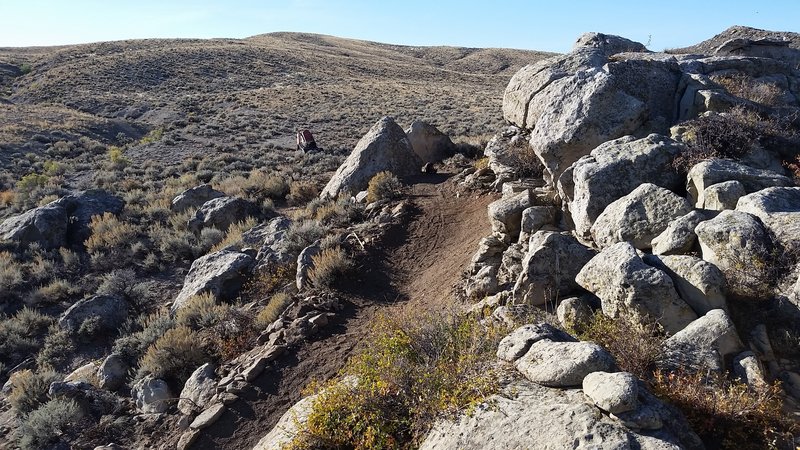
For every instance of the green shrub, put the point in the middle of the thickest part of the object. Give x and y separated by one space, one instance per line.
174 355
132 346
155 135
383 186
44 425
56 351
417 369
29 390
30 182
329 266
109 245
117 158
11 274
277 303
20 335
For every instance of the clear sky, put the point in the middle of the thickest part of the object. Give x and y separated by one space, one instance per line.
539 25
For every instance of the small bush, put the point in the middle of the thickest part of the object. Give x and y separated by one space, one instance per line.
383 186
636 347
30 182
29 390
329 266
751 89
11 274
418 369
268 280
56 351
110 242
56 291
20 335
201 311
300 192
277 303
117 158
71 261
481 163
301 234
729 414
153 326
174 355
7 198
44 425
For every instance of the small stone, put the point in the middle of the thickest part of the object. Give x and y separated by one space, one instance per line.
208 417
516 344
187 439
644 418
612 392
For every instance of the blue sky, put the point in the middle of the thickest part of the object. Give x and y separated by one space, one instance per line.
539 25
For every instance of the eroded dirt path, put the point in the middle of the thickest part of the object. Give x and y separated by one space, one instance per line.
414 266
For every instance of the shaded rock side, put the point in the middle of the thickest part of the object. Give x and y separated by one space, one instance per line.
384 147
429 144
626 285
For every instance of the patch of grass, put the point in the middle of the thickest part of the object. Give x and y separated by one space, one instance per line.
133 345
300 192
201 311
109 245
117 158
56 291
748 88
11 273
21 334
233 237
729 414
330 265
56 351
383 186
418 369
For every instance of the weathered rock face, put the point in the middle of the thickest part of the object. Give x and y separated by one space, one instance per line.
738 244
563 364
151 395
710 172
111 310
699 283
533 219
221 213
543 418
704 343
574 313
779 210
85 205
679 237
305 262
112 372
198 390
46 225
484 268
577 101
613 392
638 217
721 196
270 239
428 143
220 273
194 197
384 147
517 344
506 215
626 285
614 169
550 266
288 427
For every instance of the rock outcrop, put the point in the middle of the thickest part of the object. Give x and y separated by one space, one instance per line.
109 310
385 147
220 273
429 144
194 197
221 213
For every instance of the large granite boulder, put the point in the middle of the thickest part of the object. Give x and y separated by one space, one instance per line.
699 283
519 341
505 215
385 147
428 143
527 415
198 389
45 225
563 364
574 102
221 273
713 171
194 197
613 392
779 211
704 344
638 217
679 238
614 169
110 310
740 246
550 266
151 395
221 213
626 285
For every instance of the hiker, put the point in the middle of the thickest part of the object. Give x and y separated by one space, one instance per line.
305 141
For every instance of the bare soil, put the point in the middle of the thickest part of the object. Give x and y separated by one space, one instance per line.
415 266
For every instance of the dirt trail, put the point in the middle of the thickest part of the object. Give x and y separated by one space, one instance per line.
414 266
